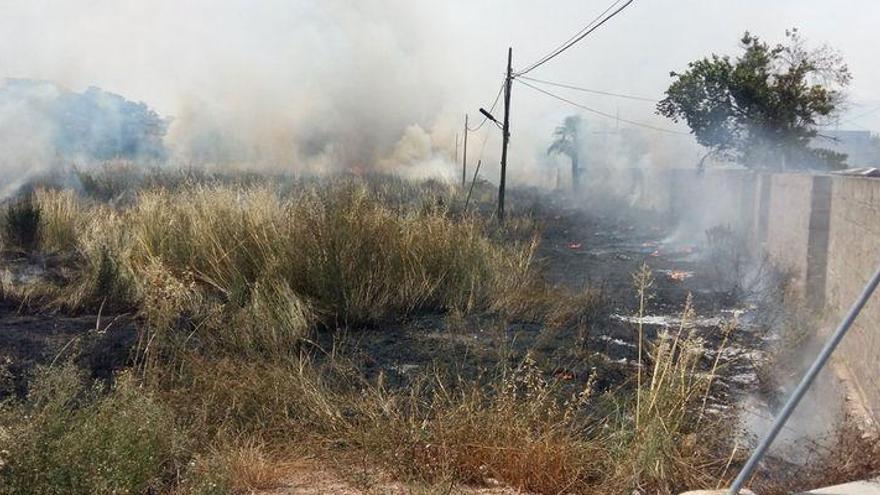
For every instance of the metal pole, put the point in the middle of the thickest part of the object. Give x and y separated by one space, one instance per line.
804 385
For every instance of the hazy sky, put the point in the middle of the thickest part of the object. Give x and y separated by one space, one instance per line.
366 69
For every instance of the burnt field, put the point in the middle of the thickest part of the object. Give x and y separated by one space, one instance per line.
215 332
580 251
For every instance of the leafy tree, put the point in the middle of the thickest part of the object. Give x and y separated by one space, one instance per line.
567 142
100 125
91 125
762 108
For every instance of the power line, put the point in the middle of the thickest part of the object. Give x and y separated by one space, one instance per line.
836 123
578 37
848 122
851 120
483 147
865 114
494 104
575 35
587 90
599 112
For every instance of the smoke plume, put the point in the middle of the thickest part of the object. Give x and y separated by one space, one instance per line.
308 86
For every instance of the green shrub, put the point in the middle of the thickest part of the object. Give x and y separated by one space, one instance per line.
69 437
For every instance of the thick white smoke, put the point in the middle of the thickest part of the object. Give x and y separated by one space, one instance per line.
326 85
25 134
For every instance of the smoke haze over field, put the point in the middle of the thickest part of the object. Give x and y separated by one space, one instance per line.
328 85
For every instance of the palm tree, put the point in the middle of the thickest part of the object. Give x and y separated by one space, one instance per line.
566 143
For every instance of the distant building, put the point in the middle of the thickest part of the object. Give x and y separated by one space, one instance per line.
861 147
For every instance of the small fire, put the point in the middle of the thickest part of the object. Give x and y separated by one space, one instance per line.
574 245
678 275
564 374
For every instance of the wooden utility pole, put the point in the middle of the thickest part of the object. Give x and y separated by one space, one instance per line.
464 155
505 133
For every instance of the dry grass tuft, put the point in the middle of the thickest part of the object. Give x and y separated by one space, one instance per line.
62 218
249 467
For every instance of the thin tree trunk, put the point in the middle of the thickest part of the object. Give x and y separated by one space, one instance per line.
575 173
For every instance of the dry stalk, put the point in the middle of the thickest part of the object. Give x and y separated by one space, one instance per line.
643 282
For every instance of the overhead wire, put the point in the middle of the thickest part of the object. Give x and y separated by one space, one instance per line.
572 37
491 109
583 33
865 114
483 146
594 24
852 120
587 90
599 112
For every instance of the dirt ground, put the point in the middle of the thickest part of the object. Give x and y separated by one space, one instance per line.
98 344
308 477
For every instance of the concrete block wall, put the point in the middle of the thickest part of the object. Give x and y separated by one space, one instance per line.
824 229
796 231
700 201
759 228
788 225
727 197
817 247
853 256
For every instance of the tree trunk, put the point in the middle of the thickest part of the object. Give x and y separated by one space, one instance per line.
575 173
